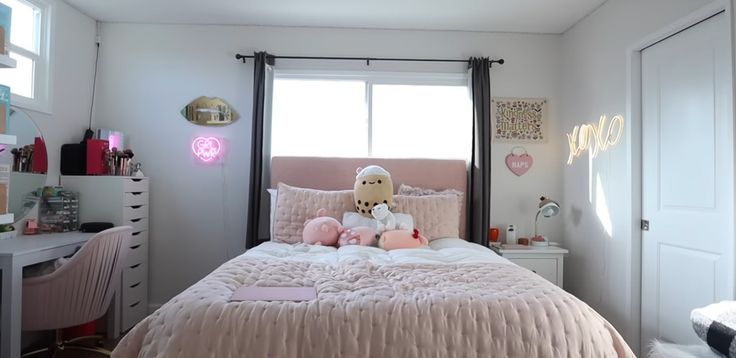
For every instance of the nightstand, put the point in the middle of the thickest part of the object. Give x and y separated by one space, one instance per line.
544 261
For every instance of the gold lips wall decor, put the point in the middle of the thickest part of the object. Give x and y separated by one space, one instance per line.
209 111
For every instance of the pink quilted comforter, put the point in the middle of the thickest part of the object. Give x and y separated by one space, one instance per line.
369 309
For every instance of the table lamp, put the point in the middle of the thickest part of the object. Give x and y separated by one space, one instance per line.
548 208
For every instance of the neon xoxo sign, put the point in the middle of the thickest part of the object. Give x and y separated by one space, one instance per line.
595 137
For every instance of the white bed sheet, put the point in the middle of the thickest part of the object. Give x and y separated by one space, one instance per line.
442 251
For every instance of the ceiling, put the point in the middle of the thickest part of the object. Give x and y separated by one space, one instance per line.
529 16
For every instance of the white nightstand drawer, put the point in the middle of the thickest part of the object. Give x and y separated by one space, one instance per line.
546 268
546 262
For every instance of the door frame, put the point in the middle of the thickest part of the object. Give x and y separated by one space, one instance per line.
634 134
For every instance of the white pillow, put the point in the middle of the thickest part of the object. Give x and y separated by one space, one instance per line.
351 220
272 214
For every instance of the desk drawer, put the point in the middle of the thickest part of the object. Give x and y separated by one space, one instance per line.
133 313
134 293
135 275
135 184
138 237
140 224
546 268
135 212
135 198
137 254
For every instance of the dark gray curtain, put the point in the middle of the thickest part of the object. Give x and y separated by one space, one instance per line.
257 187
480 164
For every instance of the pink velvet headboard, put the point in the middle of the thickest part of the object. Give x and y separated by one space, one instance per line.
339 174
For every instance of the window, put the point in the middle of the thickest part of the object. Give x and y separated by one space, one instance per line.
371 115
28 45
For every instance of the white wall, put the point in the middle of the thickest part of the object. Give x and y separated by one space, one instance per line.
599 268
149 72
72 66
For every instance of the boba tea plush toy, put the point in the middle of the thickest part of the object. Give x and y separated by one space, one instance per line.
373 186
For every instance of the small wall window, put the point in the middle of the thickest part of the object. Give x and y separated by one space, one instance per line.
29 39
372 115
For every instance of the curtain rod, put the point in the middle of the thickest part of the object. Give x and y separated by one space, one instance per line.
366 59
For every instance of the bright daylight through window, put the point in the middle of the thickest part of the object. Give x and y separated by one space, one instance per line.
27 47
365 117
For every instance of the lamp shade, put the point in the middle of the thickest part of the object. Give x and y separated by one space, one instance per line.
548 208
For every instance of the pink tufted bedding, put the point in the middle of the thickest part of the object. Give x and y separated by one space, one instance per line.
454 300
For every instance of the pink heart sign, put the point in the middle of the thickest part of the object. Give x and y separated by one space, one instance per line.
519 164
206 148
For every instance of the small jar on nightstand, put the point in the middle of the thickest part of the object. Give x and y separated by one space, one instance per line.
544 261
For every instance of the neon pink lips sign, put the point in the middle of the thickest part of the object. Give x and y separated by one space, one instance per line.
206 149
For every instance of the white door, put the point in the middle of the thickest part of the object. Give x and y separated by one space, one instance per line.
688 179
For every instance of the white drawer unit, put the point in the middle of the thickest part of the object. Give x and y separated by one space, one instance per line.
546 262
122 201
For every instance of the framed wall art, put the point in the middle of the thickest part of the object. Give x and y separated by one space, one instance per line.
519 120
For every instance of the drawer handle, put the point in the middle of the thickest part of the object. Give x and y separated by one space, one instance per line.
135 285
135 266
135 304
136 206
137 193
535 271
135 247
136 233
136 180
136 220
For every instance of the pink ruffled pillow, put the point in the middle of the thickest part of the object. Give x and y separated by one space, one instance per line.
436 216
295 205
409 190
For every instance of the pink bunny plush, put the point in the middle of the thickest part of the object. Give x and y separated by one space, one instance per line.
322 230
361 235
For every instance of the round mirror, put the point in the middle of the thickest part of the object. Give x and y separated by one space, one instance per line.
28 162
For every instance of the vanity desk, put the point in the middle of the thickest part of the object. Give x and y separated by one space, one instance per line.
15 254
122 201
26 160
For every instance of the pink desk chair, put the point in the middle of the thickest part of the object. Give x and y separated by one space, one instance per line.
78 292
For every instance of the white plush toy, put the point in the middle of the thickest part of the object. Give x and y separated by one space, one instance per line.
387 219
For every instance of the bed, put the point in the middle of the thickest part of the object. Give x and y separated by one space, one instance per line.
453 299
